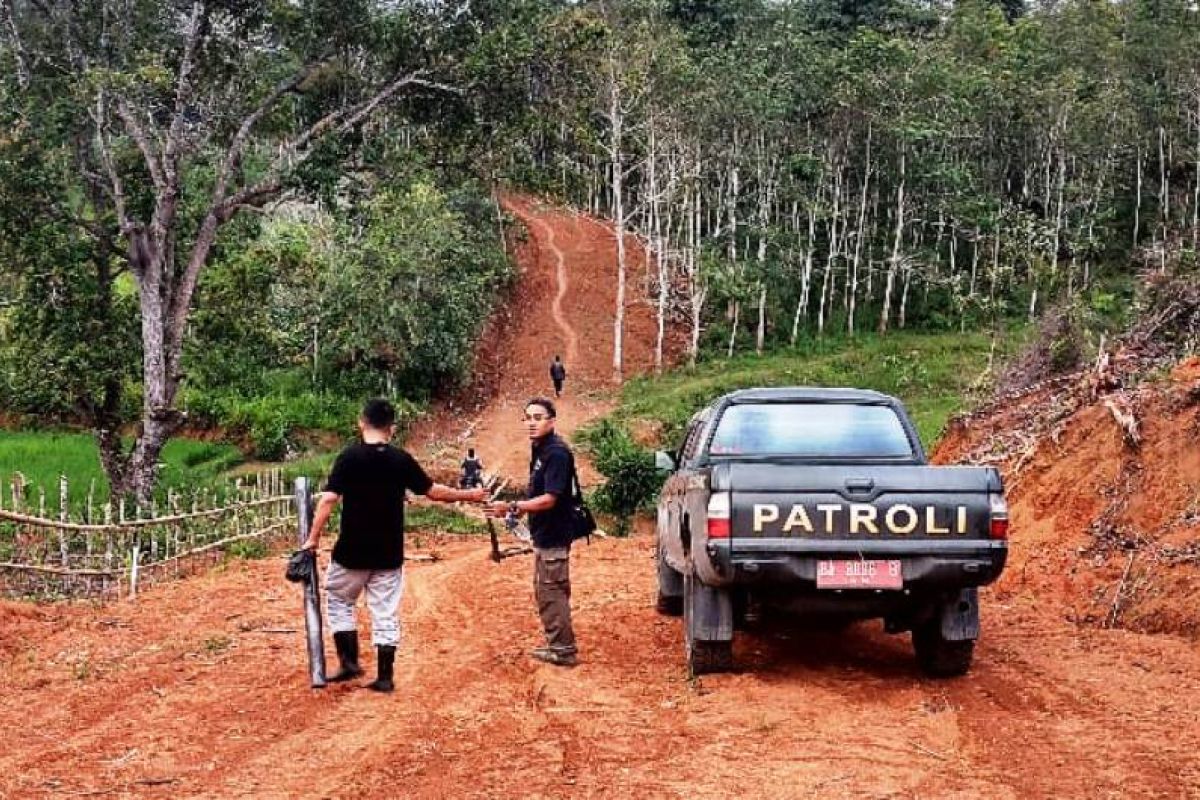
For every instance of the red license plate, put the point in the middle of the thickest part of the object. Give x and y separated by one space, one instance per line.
859 575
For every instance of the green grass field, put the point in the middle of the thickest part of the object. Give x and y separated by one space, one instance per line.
933 374
42 456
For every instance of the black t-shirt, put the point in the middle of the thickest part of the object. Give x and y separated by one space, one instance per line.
372 480
551 467
557 370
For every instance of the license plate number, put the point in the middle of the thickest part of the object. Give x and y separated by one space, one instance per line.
859 575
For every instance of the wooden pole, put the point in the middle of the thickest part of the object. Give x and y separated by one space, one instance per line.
312 598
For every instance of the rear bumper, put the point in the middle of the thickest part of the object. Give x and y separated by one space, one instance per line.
927 566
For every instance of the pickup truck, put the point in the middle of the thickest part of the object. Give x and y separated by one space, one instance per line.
820 501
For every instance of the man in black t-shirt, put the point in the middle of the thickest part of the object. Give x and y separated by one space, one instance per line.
558 374
551 476
371 477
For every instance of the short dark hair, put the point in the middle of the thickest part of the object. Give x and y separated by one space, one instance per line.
379 414
471 452
544 403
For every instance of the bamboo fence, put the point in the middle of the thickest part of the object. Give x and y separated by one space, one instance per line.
101 550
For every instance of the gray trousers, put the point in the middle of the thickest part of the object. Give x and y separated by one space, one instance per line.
552 590
384 588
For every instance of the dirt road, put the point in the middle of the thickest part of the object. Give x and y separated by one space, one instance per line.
563 304
198 689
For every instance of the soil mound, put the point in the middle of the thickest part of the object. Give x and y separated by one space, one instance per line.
1104 494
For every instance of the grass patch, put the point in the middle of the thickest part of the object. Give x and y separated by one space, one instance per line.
440 518
274 420
42 456
933 374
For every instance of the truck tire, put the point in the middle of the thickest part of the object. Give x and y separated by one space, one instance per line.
709 657
938 656
670 587
715 652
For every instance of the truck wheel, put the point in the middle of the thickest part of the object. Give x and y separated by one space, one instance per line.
938 656
670 587
709 611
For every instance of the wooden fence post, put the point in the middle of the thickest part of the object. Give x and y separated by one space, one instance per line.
108 535
133 573
63 513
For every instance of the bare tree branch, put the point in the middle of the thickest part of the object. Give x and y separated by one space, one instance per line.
183 92
142 139
114 179
291 155
243 133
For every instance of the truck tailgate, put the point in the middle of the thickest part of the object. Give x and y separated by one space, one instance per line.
857 502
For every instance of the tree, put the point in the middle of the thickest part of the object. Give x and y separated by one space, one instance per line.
174 118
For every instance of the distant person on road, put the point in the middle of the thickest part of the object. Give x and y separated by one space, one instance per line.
558 374
372 477
551 475
472 471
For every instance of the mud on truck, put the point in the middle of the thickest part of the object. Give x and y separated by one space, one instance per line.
821 502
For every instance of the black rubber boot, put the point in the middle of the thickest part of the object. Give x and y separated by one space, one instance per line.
346 643
387 660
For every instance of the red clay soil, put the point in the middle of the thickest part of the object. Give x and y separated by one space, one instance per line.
199 688
563 303
1109 529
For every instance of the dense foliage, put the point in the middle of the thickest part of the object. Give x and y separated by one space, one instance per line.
816 165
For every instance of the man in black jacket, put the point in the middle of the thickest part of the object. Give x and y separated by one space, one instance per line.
551 476
372 477
558 374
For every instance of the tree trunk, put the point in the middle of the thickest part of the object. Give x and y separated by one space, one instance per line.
697 292
656 236
737 310
1137 206
762 320
894 262
1196 188
1164 182
806 276
616 122
831 256
852 283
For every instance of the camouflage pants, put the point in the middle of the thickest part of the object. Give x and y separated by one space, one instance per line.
552 590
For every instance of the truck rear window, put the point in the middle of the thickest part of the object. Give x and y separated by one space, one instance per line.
810 430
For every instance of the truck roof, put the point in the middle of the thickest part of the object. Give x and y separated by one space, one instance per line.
807 393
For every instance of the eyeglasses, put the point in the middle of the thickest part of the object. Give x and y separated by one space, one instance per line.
536 417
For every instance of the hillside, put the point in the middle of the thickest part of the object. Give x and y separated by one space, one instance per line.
1106 512
562 304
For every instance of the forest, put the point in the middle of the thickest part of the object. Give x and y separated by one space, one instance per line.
252 214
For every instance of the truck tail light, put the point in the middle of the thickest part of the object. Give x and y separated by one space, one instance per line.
998 514
718 516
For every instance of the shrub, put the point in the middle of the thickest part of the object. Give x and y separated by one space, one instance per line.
632 481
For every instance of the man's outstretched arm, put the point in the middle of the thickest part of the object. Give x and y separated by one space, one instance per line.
444 494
